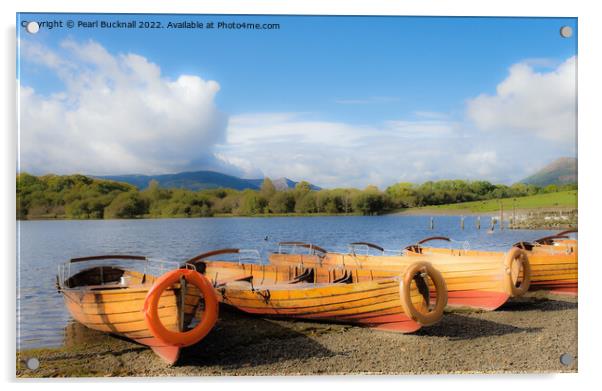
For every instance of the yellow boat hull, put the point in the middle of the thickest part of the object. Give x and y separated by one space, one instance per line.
366 299
475 282
118 310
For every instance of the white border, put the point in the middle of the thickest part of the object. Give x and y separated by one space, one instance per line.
589 177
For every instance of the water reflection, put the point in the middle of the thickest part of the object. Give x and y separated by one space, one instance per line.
76 335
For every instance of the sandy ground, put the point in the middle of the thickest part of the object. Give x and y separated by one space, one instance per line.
528 335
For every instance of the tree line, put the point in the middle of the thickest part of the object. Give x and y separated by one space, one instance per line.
82 197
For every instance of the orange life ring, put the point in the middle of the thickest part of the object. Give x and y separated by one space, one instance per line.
151 314
517 255
430 317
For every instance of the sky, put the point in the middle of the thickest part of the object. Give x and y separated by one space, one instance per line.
337 101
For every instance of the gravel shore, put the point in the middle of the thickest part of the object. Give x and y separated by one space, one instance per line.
527 335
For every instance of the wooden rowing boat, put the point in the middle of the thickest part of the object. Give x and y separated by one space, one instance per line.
554 263
395 302
481 280
111 298
552 260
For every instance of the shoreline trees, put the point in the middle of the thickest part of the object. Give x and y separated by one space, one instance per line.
81 197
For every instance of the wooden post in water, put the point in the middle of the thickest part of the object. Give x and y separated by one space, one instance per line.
501 215
514 213
432 223
478 222
462 222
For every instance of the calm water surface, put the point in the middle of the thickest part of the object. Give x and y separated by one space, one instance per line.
41 314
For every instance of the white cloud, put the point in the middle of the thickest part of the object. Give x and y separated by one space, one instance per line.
117 114
481 162
332 154
245 168
542 104
259 128
422 129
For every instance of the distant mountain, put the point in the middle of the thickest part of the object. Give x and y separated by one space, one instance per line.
200 180
285 183
561 171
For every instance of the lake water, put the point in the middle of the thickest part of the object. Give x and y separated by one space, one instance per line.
41 314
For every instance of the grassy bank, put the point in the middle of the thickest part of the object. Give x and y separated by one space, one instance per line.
558 200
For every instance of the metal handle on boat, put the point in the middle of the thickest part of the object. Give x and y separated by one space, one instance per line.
248 255
529 245
212 253
367 244
313 247
524 245
434 238
568 231
150 265
560 235
116 256
303 245
418 249
243 255
289 244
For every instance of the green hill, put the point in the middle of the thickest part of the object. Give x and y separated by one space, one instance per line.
561 199
560 172
200 180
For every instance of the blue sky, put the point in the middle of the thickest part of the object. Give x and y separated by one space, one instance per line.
364 88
